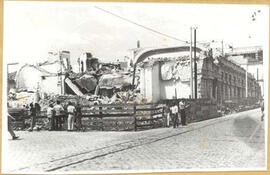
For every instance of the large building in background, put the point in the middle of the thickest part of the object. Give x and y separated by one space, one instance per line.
167 76
251 59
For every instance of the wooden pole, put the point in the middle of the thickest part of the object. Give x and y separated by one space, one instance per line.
195 65
191 66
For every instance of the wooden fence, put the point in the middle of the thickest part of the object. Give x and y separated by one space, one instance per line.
118 117
123 117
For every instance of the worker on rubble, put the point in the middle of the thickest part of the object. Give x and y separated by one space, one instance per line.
58 108
71 116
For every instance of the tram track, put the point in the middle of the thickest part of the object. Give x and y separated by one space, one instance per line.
76 159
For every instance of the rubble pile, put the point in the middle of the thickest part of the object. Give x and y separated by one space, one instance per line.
20 99
128 97
87 83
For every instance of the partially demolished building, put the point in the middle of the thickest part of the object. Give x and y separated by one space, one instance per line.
56 77
47 77
161 76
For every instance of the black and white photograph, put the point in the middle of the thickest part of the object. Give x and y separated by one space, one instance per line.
134 87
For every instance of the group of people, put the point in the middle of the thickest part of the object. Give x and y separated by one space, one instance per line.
56 115
176 113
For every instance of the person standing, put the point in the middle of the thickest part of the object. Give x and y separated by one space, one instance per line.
262 109
168 116
10 130
79 116
33 117
50 115
37 108
58 115
182 108
174 111
71 116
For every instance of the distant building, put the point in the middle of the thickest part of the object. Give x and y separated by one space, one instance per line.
251 59
11 80
167 76
47 77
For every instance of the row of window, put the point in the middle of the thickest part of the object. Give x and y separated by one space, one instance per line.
232 92
229 78
228 91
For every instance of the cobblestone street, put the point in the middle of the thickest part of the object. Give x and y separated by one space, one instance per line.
235 141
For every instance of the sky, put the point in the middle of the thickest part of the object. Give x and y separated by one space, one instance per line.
32 29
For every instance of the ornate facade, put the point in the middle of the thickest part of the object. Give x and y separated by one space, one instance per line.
218 78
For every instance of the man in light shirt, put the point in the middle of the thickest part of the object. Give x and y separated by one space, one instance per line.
50 115
174 110
71 116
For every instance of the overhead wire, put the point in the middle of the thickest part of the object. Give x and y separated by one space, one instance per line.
140 25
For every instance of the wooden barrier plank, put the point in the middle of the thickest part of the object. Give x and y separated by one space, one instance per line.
106 115
107 111
151 119
145 125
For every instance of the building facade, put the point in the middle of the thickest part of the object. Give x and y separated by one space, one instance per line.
46 77
165 77
251 59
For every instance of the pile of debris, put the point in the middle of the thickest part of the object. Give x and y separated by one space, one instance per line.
103 81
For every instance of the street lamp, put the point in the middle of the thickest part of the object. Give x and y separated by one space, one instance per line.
9 64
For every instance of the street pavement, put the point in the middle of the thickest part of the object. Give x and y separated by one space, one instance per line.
231 142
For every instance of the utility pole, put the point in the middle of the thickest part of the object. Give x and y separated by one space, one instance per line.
257 75
247 80
222 50
191 66
195 65
135 64
138 44
61 73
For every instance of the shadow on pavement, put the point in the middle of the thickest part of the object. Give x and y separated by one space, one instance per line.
249 131
15 139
